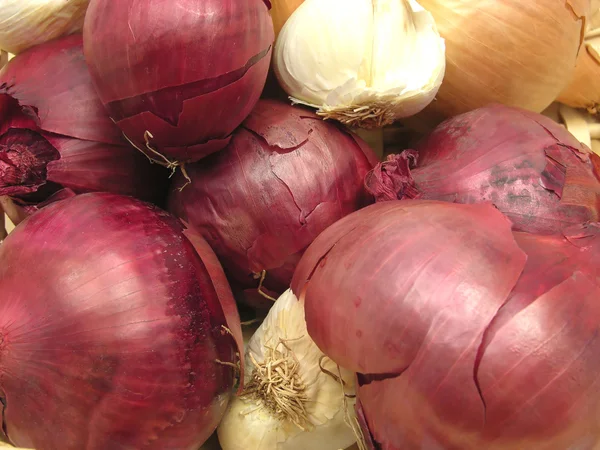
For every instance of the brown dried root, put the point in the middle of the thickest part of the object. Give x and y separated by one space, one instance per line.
349 418
277 386
236 366
262 276
367 116
160 158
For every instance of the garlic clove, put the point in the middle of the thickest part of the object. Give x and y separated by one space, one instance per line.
312 412
363 62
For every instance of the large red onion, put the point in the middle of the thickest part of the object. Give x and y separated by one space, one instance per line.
178 76
54 132
530 167
117 329
464 335
285 176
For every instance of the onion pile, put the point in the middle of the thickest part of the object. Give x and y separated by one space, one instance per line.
483 339
285 176
445 298
128 336
55 134
178 78
530 167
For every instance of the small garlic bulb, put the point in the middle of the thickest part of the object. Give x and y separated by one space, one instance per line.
26 23
294 397
365 63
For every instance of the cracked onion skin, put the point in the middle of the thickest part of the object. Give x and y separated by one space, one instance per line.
464 334
111 322
187 71
55 133
531 168
285 176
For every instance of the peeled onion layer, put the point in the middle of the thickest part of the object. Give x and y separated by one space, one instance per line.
55 133
528 166
53 85
285 176
187 72
125 337
484 338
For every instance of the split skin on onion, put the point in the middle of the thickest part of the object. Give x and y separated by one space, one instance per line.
464 334
178 77
529 167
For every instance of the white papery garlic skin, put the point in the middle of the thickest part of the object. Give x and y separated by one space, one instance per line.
363 62
25 23
250 424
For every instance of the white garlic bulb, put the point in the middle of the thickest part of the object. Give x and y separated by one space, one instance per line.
26 23
294 397
363 62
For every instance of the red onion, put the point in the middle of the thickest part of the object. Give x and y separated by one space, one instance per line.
178 78
285 176
465 335
117 329
54 132
530 167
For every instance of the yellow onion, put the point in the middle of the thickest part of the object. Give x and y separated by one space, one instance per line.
26 23
516 52
281 10
584 89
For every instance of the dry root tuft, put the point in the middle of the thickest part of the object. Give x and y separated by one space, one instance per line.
277 386
362 117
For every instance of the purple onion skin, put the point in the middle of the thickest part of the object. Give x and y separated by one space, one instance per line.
464 334
530 167
189 73
285 176
55 134
112 324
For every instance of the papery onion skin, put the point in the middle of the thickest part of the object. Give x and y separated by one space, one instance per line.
517 53
27 23
115 342
285 176
477 347
187 72
394 291
530 167
537 367
281 10
583 91
55 133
